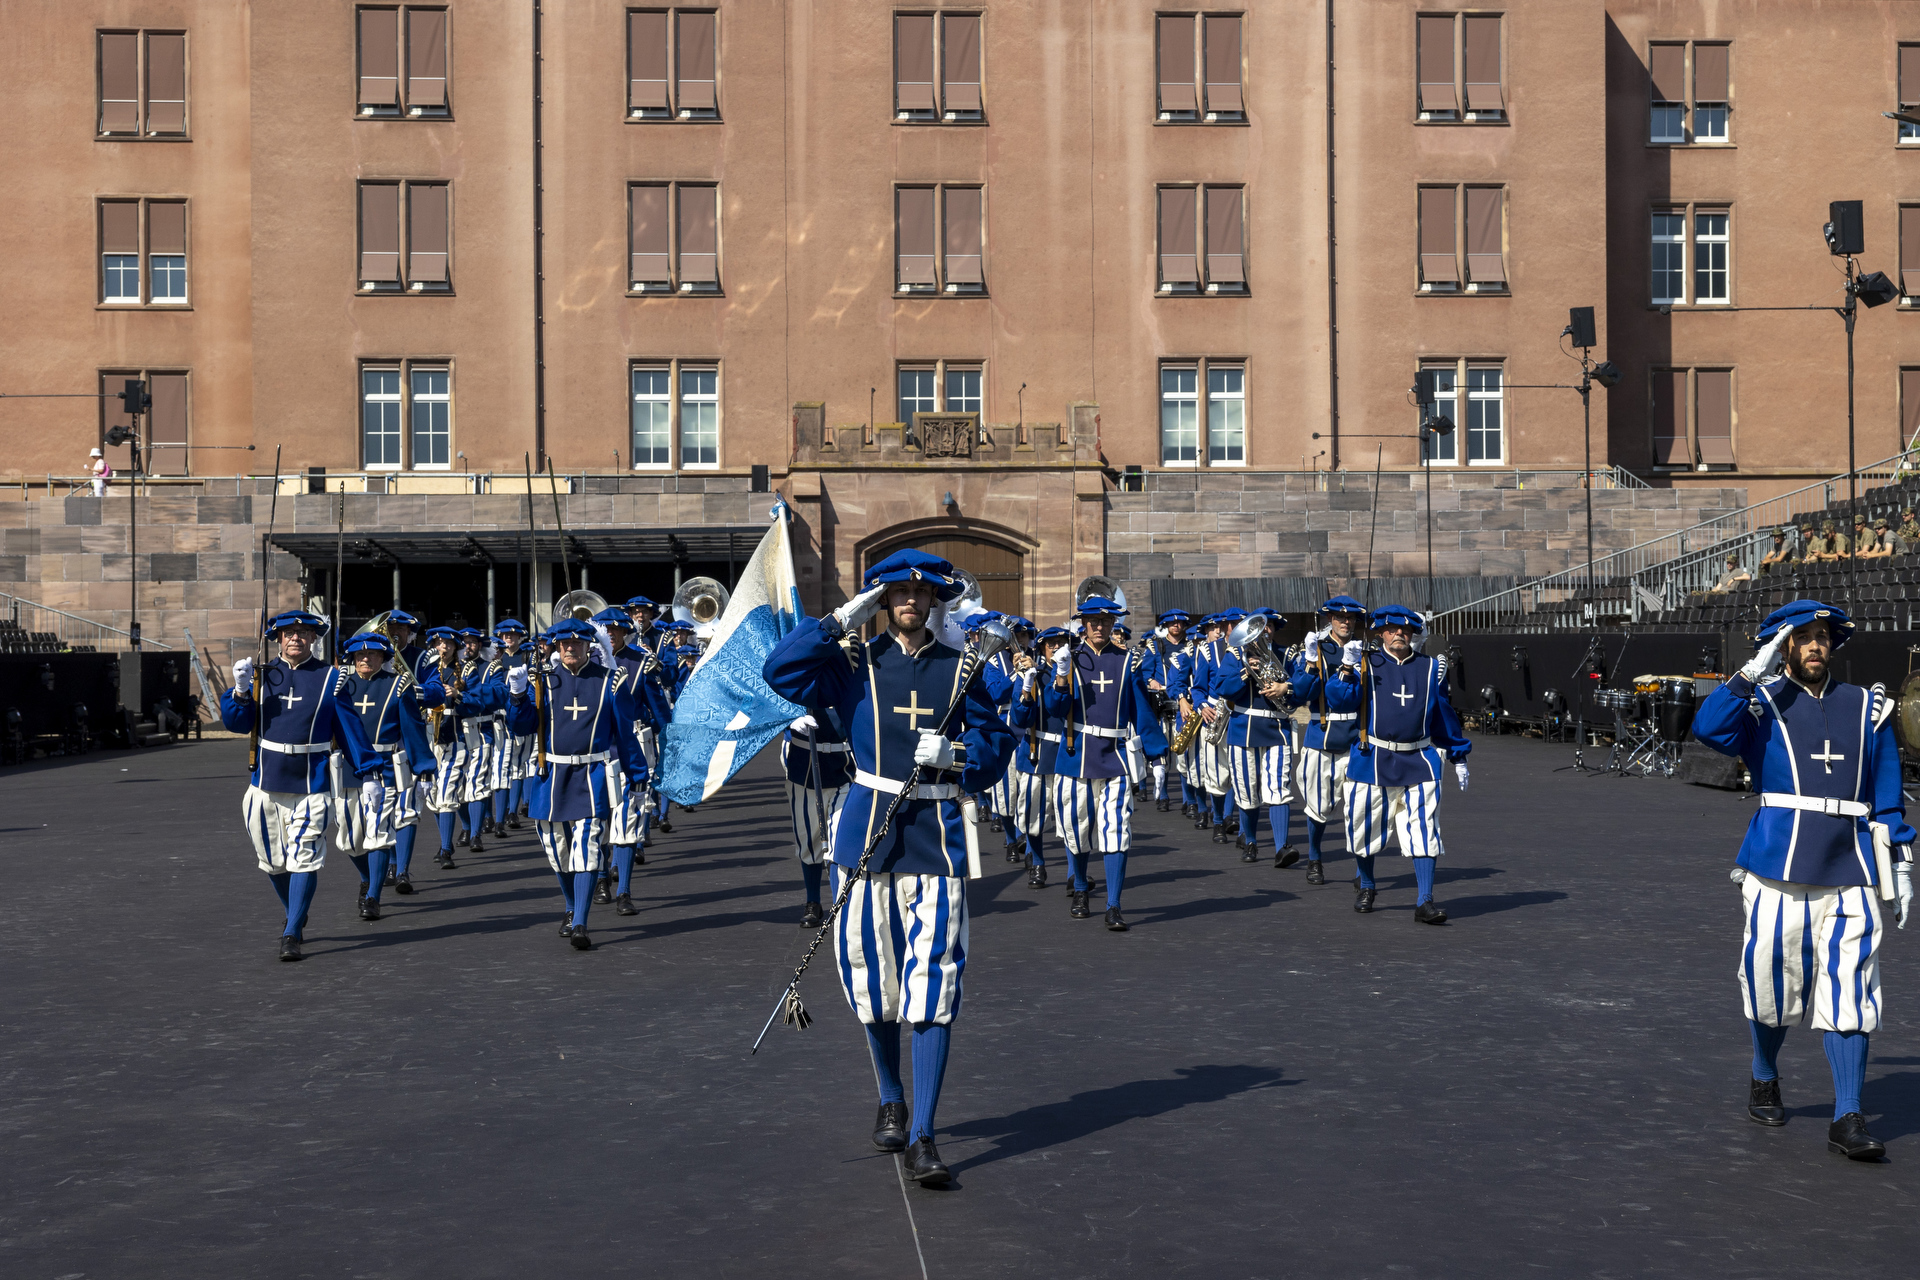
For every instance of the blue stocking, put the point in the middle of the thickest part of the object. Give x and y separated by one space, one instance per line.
1280 817
623 867
1766 1049
1846 1054
566 888
360 865
1423 876
476 818
446 830
812 874
1116 880
300 887
1248 822
514 791
1077 868
1315 832
883 1042
1219 811
582 896
279 882
403 848
1036 857
376 872
1365 868
500 808
931 1040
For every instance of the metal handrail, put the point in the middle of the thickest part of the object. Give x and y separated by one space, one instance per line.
1626 583
71 628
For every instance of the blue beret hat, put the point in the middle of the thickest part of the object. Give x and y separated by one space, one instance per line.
400 617
1174 615
368 640
1052 633
640 602
1099 607
471 633
1342 604
1396 615
1798 613
1016 622
614 616
298 618
570 629
441 633
917 566
1228 616
509 624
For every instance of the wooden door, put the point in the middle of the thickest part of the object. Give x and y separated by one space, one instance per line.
998 568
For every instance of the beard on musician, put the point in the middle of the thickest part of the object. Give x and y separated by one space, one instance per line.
1807 654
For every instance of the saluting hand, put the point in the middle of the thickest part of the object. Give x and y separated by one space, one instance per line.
243 676
1767 661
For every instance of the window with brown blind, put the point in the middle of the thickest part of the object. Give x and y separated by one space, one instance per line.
1463 233
142 77
1439 254
410 37
1909 407
1909 255
1692 417
420 261
1199 68
1461 68
673 237
1202 233
673 64
1690 91
164 438
939 240
937 67
143 252
1907 91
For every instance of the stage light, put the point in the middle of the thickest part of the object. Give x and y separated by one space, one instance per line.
1607 374
1875 289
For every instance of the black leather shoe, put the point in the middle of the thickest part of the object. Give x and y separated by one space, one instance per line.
369 909
995 824
1037 878
461 840
1166 805
388 882
1763 1103
580 940
1430 913
1014 854
602 892
290 949
640 855
1219 835
924 1165
1287 856
890 1127
1846 1136
476 846
1249 852
486 825
815 917
1204 821
446 860
1116 921
403 884
663 825
1080 910
513 821
1363 898
623 906
566 926
1316 874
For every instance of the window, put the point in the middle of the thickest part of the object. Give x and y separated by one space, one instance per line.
1671 68
432 420
700 417
422 417
1485 424
1439 257
163 435
1199 67
413 37
427 255
673 78
963 390
1691 411
380 418
916 393
1226 414
1179 416
1437 447
1225 440
1183 249
1710 250
1478 417
939 386
1909 407
1910 255
673 237
652 416
143 84
161 279
949 42
1452 263
1909 92
1461 68
947 258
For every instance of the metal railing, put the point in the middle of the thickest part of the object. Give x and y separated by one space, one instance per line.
1657 574
67 629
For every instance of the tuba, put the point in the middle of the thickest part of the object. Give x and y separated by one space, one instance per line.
970 601
581 604
1250 637
1097 585
700 601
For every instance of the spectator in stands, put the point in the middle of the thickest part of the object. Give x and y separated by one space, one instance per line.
1831 545
1909 531
1862 536
101 470
1879 544
1734 574
1779 557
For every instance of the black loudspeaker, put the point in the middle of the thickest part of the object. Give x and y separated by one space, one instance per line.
762 481
1844 230
1426 386
1705 767
1580 321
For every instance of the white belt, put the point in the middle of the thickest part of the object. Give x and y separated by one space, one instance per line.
1331 716
296 748
386 748
1390 745
825 748
1049 737
1257 711
893 786
594 757
1094 731
1810 804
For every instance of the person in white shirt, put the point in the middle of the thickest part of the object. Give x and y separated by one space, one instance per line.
101 470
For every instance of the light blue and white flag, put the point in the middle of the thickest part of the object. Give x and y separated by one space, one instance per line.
727 714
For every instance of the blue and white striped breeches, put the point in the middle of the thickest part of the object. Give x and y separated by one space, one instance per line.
480 755
447 787
519 757
289 829
1093 815
1260 776
805 812
901 945
1811 954
1030 801
1323 775
627 805
1211 764
1414 813
576 845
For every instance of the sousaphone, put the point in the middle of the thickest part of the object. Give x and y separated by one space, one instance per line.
581 604
700 601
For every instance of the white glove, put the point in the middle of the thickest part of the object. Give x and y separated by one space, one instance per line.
1062 662
1460 772
1311 644
243 675
373 793
1767 661
933 751
1351 653
1902 892
518 679
854 613
1738 875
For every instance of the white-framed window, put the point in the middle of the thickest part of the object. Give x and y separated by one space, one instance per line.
1669 255
168 273
1485 426
380 418
1226 415
917 392
122 275
1709 122
963 390
652 416
1179 416
432 414
1909 133
1443 449
1669 123
699 417
1710 247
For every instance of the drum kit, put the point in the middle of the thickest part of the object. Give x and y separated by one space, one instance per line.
1650 723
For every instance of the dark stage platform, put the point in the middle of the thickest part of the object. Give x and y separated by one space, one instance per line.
1254 1082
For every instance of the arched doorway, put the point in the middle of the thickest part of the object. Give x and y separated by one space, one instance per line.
997 566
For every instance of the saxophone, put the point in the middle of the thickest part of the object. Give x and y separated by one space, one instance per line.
437 715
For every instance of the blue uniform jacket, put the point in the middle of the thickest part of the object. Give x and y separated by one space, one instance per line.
1327 730
820 752
1257 723
589 719
1402 703
390 716
883 696
1108 694
1796 744
1033 725
303 709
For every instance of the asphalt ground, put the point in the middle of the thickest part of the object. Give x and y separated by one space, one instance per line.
1253 1082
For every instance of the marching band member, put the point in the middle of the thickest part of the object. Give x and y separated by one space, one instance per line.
627 823
1395 768
901 942
1828 843
819 766
1329 735
1259 736
1179 669
1004 667
515 749
1162 653
401 627
288 804
660 679
1211 758
388 704
481 741
452 736
1038 741
585 719
1109 731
